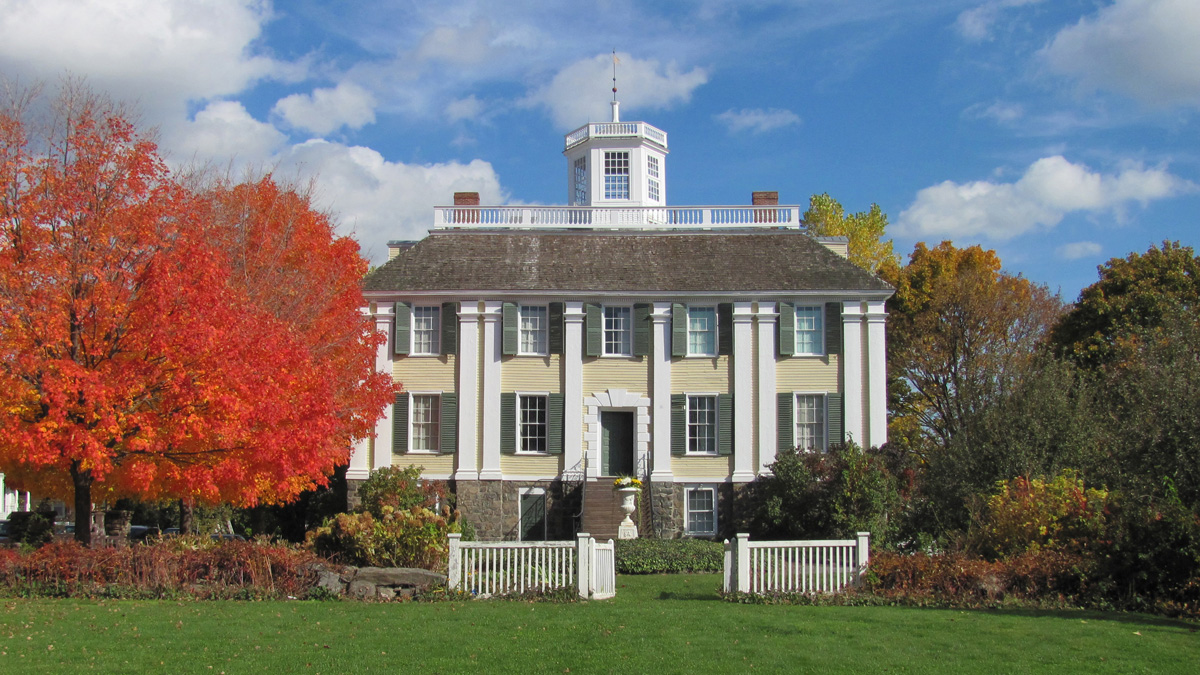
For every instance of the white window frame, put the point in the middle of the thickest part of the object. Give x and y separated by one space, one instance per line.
711 331
536 492
626 343
617 171
541 336
412 424
688 526
580 176
652 183
716 425
822 409
435 332
818 333
520 437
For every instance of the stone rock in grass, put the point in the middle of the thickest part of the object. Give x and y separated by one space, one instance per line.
404 577
385 593
331 581
361 590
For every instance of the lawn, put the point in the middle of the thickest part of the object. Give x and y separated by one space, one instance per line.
656 624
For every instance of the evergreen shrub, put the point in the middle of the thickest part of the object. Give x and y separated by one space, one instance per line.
669 556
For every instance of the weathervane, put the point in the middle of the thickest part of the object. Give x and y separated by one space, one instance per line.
616 116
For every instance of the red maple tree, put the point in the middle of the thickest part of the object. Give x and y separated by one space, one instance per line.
154 341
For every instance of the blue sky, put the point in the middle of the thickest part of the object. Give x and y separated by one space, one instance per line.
1060 132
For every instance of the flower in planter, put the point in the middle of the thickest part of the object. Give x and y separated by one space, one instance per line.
626 482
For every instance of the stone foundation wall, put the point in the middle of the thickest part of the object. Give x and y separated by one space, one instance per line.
494 507
667 513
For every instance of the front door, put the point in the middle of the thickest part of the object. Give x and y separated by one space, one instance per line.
616 443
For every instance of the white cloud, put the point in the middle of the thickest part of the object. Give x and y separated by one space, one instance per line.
1078 249
326 110
468 108
1050 188
757 120
1147 49
377 200
582 91
1000 111
161 53
461 46
225 131
976 24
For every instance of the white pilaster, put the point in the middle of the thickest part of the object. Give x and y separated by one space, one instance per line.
360 452
876 374
491 350
768 433
660 393
852 364
468 391
383 363
573 386
743 391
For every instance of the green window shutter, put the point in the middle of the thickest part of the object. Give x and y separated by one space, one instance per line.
401 339
448 431
555 315
725 328
786 426
678 424
593 330
400 424
835 415
508 423
724 424
511 338
449 328
833 328
679 321
787 329
641 329
554 423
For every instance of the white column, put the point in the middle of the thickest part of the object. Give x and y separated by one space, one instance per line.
573 386
852 363
360 452
383 363
768 433
468 391
491 350
876 374
660 393
743 391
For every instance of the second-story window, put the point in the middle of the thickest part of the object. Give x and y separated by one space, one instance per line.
809 330
534 329
618 331
426 329
616 175
702 331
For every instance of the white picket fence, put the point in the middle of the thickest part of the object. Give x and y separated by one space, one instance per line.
487 568
820 566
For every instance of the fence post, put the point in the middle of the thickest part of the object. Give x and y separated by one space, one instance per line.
743 562
864 553
454 576
583 555
728 567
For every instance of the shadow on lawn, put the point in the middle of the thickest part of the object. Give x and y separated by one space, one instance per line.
708 595
1079 614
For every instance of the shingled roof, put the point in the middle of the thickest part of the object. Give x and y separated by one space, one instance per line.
642 261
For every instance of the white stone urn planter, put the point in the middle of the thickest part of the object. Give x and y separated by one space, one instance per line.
627 530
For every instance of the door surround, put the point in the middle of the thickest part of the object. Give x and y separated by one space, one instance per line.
616 400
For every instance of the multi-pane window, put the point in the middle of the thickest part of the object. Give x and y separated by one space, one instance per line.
702 425
531 423
810 422
702 331
701 510
534 329
426 422
581 181
616 175
809 331
618 331
426 329
653 173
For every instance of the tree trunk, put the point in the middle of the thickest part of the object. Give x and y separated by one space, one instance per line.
187 517
83 503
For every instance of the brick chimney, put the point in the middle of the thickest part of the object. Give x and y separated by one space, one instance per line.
764 198
466 199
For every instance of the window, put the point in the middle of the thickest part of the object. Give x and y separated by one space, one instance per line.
426 327
616 175
531 423
533 514
702 425
618 331
581 181
809 331
426 422
810 422
701 510
702 331
652 171
534 329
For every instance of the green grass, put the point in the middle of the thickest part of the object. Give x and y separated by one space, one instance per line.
656 624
